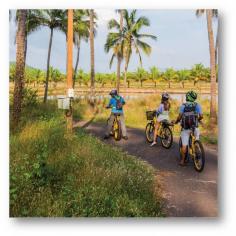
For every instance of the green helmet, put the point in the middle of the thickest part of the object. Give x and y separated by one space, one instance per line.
191 96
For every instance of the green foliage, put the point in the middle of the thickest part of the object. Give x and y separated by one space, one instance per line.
30 97
55 174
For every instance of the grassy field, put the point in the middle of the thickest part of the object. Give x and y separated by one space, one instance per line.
175 87
135 115
56 174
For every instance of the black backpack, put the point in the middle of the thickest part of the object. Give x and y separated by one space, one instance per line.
189 118
119 103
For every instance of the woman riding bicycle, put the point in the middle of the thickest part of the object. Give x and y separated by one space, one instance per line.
190 114
162 113
116 104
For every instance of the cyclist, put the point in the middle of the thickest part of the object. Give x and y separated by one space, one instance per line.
190 114
162 113
116 104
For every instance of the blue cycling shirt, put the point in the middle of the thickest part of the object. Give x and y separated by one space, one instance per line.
198 109
112 104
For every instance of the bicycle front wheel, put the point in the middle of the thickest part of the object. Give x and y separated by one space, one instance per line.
149 131
117 130
167 138
199 156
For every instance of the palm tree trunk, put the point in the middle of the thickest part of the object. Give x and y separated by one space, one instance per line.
119 55
20 69
91 36
212 66
217 44
118 74
48 65
77 62
25 53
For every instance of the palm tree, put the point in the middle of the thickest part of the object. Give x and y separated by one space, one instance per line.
183 75
33 23
155 73
81 32
53 19
91 38
20 67
209 14
129 38
141 75
119 53
170 75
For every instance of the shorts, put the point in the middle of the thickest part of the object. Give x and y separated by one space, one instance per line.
185 133
162 117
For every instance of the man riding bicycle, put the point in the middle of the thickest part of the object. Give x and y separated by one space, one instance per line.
189 115
116 104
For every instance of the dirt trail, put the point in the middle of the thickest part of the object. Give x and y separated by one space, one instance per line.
185 192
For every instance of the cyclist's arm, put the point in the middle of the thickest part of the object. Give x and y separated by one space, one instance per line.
178 118
159 110
199 111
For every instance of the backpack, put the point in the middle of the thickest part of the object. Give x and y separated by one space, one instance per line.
189 118
119 103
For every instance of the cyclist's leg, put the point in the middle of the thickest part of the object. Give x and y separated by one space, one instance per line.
185 139
156 127
123 127
110 123
197 133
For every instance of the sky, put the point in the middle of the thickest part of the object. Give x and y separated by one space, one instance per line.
182 41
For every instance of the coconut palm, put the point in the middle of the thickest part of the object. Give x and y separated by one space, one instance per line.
20 63
53 19
183 75
141 74
81 32
91 38
33 23
154 74
170 75
129 38
209 14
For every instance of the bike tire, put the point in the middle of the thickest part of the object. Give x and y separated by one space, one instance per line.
198 145
117 130
169 144
149 131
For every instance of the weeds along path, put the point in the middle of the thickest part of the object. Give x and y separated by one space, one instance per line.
185 192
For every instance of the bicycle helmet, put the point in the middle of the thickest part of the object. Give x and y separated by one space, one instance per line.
165 97
113 92
191 96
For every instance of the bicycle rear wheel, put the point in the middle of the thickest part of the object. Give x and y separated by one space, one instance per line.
167 138
199 156
149 132
117 130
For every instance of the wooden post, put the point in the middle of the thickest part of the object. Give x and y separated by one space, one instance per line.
70 66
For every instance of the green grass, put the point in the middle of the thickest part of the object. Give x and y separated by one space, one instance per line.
54 174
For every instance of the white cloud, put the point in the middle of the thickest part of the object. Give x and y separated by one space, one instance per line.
104 15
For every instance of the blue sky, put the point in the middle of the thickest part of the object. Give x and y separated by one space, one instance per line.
182 41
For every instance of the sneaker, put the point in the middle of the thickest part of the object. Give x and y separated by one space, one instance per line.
125 137
153 144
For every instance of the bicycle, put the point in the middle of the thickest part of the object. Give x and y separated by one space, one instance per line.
164 131
195 151
116 131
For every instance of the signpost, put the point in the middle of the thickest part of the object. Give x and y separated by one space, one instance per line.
70 90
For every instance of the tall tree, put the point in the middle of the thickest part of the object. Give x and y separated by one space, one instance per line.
20 66
53 19
33 23
129 38
91 38
81 32
209 15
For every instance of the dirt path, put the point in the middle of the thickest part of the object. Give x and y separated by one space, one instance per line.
185 192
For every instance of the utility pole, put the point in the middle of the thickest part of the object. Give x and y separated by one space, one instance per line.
70 90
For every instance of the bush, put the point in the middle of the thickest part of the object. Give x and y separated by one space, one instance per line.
56 174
